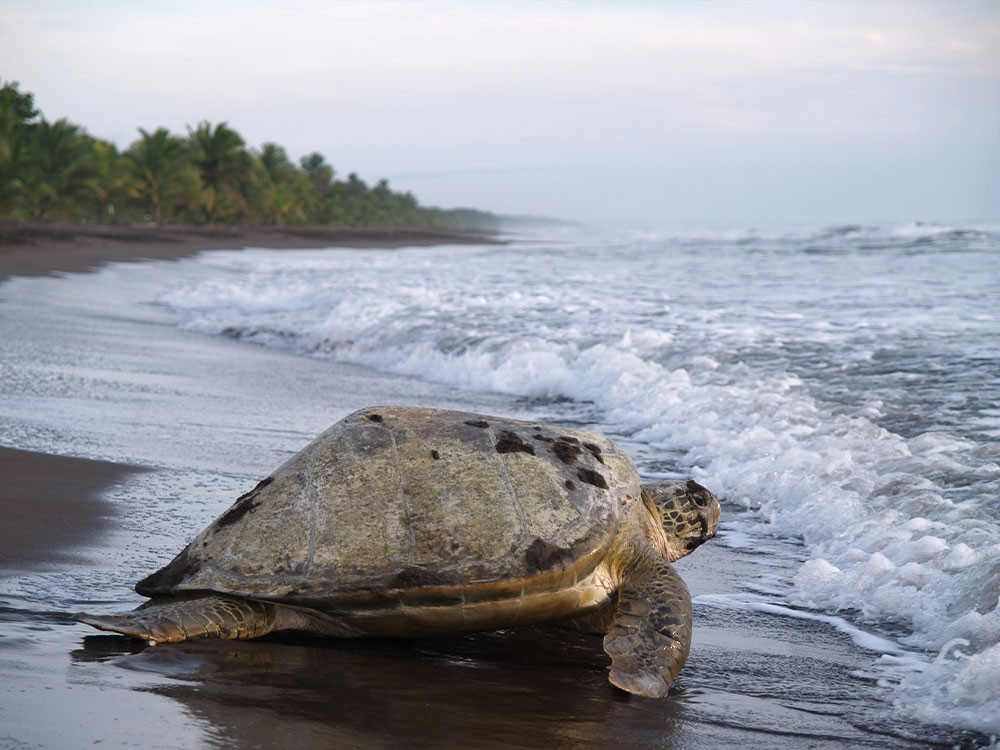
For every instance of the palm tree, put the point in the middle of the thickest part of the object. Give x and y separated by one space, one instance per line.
222 163
279 187
15 165
320 192
112 179
159 169
16 111
275 162
63 169
320 173
292 199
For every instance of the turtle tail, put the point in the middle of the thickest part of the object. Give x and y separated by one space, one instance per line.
211 616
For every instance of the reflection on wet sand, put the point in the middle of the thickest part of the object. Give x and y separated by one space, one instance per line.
534 687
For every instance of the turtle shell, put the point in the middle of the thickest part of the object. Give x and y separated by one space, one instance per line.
407 504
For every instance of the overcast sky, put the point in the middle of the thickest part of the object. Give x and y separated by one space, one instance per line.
651 113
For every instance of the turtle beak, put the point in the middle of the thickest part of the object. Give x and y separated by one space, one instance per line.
707 532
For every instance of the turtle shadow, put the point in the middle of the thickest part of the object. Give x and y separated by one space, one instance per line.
539 686
542 648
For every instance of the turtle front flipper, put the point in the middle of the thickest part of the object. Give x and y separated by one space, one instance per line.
649 639
171 620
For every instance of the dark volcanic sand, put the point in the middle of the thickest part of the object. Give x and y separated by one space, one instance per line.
31 248
50 505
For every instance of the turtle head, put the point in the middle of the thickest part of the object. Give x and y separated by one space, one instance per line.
687 515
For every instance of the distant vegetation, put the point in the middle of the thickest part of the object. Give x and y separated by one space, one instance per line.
56 171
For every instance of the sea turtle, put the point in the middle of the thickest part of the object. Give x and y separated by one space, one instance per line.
406 521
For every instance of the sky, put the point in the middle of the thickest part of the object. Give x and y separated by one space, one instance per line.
654 114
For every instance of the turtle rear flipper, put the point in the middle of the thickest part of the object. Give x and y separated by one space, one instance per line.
211 616
649 640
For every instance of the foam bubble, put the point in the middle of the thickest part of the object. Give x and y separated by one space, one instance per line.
956 688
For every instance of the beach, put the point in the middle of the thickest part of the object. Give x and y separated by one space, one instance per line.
29 248
125 433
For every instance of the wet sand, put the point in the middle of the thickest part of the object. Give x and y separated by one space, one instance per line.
31 248
209 417
51 505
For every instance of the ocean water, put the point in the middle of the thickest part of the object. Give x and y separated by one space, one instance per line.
839 388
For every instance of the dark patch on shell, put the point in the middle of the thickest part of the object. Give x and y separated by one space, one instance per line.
567 453
435 455
415 577
539 436
570 484
375 417
244 504
595 450
592 477
477 423
568 439
542 556
511 442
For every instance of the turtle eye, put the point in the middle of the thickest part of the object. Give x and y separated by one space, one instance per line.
697 493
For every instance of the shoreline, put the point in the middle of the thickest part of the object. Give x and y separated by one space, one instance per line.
211 414
52 506
39 248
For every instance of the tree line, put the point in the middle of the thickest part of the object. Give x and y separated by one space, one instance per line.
57 171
